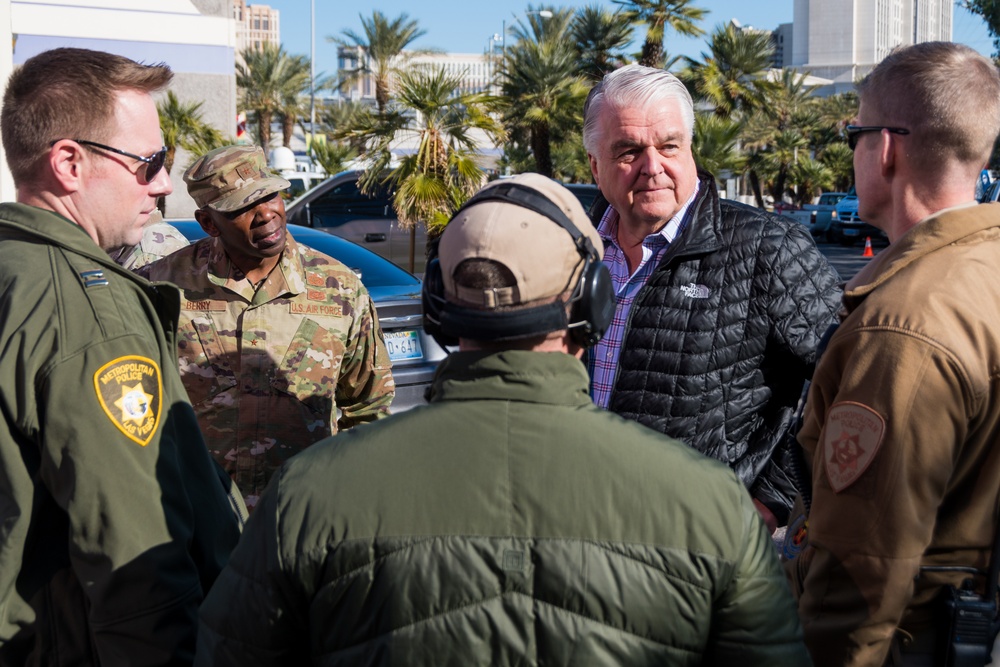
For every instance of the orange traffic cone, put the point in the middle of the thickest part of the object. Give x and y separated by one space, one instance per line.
868 248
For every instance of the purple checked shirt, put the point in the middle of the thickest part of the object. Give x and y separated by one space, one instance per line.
603 358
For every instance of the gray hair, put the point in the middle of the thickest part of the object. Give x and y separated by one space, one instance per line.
947 95
634 86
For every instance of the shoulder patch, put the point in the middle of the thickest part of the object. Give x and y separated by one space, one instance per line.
130 391
853 434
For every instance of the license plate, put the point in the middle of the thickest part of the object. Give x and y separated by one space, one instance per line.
403 345
851 232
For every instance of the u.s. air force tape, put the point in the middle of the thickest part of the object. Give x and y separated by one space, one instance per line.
130 391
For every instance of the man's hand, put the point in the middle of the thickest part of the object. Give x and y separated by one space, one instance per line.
769 519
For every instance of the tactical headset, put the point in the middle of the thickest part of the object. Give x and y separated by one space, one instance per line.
593 299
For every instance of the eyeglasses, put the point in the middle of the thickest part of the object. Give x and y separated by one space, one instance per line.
154 162
854 131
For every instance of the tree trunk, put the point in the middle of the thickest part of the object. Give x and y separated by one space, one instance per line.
264 131
755 186
541 148
652 54
287 130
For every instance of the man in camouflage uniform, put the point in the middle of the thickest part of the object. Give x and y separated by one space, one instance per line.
274 338
159 239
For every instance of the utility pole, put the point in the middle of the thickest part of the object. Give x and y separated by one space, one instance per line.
312 78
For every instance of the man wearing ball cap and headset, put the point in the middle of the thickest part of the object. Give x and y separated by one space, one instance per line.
273 337
510 520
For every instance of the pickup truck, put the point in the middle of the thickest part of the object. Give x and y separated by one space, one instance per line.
816 217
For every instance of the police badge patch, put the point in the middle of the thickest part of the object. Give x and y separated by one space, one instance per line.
853 434
130 391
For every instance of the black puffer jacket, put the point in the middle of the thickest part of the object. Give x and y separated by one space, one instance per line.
723 335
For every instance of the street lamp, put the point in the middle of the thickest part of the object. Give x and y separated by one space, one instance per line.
542 13
312 79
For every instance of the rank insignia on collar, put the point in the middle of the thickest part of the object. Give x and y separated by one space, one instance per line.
130 391
852 436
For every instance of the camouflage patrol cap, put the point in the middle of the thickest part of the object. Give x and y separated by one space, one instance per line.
230 178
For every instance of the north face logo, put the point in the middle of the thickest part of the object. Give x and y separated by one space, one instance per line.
694 291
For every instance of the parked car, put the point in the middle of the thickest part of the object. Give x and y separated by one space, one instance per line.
337 206
847 228
816 217
587 193
396 295
991 193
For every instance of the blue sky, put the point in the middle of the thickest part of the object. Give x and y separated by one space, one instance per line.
466 26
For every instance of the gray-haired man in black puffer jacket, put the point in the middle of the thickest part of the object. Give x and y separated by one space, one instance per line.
720 305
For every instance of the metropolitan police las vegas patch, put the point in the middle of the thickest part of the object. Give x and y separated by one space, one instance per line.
130 390
853 435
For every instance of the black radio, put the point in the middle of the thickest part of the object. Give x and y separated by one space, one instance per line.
966 638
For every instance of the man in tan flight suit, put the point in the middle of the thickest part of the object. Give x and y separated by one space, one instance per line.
902 421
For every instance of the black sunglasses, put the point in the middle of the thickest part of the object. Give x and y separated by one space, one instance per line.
154 162
854 131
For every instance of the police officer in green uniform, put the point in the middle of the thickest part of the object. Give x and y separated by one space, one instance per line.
114 520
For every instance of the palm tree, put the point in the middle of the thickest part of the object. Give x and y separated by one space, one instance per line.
266 79
679 15
332 156
775 134
294 104
729 77
542 87
182 127
383 43
839 159
716 143
431 183
810 177
601 38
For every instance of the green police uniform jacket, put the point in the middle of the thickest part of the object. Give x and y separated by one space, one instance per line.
269 369
902 427
114 521
508 522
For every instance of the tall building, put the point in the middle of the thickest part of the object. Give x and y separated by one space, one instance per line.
843 40
474 71
255 25
195 37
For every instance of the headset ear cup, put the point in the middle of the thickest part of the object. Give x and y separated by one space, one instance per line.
432 298
595 308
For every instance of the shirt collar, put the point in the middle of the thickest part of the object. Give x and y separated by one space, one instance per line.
607 228
287 277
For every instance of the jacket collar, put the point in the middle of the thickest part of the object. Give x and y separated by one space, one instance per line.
952 225
551 378
54 228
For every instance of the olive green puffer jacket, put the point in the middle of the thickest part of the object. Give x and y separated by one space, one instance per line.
510 522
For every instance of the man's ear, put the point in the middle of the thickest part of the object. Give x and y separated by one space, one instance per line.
204 219
66 164
888 148
593 168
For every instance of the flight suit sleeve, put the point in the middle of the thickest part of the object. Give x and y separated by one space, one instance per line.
754 621
365 387
132 542
257 614
884 418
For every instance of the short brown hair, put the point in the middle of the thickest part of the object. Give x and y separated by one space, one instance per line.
947 95
67 94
